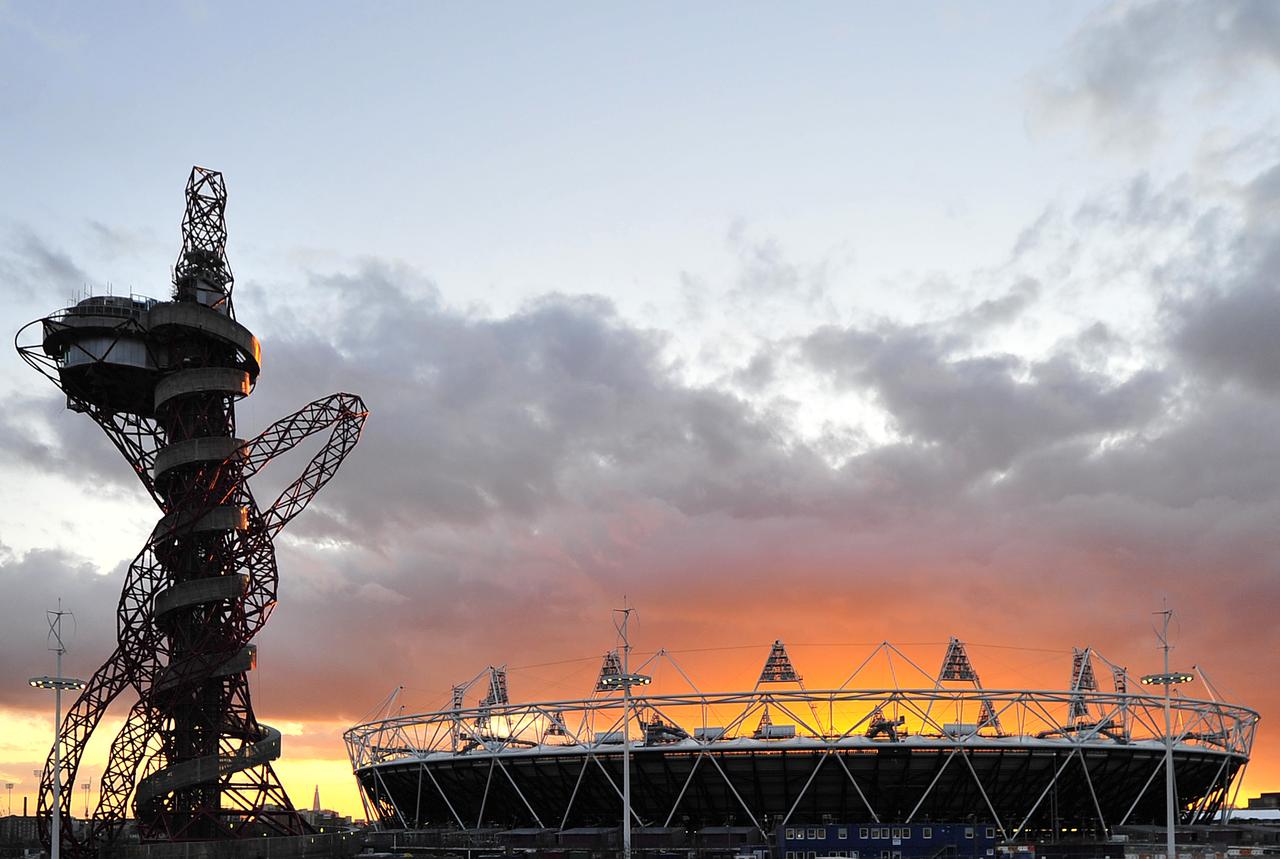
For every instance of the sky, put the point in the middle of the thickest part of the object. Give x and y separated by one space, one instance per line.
835 323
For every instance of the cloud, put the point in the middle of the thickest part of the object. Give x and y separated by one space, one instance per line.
1225 330
1232 335
1003 309
559 405
767 274
519 473
1129 60
31 266
986 409
34 583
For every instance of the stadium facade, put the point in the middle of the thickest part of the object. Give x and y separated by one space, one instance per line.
1031 763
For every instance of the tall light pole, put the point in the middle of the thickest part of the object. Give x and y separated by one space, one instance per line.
626 680
85 787
9 787
1167 679
57 684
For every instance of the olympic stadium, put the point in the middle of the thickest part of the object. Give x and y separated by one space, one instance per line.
1082 759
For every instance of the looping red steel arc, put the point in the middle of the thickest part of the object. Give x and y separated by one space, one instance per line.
162 380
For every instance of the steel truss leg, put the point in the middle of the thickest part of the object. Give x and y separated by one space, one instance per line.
822 760
1088 779
613 784
1236 794
928 790
1141 793
1053 780
1003 832
391 798
676 805
444 796
853 781
738 796
520 794
574 794
484 800
417 803
1201 808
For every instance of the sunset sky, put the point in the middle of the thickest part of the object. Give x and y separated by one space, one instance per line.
834 323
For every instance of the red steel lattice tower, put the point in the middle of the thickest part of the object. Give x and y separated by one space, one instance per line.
162 380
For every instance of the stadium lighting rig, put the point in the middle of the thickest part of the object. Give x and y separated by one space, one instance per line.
618 681
624 679
1168 679
57 683
47 682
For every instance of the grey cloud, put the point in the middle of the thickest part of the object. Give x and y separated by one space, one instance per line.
1225 329
33 583
1215 445
1231 335
52 264
766 273
759 371
30 266
1002 309
39 433
1119 66
114 242
475 417
988 409
519 473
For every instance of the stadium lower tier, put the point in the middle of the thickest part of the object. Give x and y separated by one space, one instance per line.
1021 787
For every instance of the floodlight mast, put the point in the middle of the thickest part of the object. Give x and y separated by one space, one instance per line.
57 683
1166 679
625 680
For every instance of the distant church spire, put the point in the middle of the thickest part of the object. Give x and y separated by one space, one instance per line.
315 802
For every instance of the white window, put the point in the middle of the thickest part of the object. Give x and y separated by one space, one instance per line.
813 833
843 833
862 832
791 835
926 831
991 832
822 833
968 832
791 854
